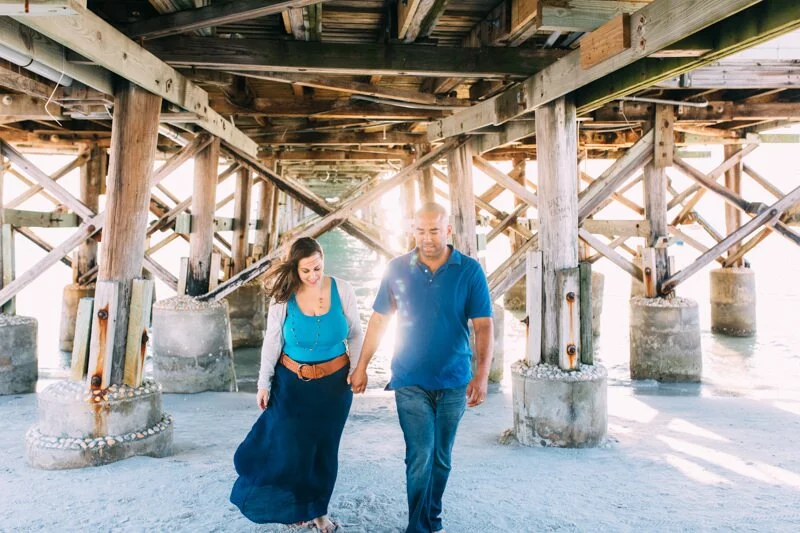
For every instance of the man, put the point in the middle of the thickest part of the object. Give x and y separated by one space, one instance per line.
434 290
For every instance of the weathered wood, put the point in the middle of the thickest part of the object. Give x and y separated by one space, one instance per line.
264 228
93 173
505 223
44 180
134 134
581 15
766 216
761 180
556 134
104 330
733 182
40 219
183 274
462 200
58 174
95 39
139 318
622 169
655 205
8 265
241 219
216 266
420 21
655 27
734 258
587 335
533 306
426 193
360 60
567 311
664 138
502 179
211 15
160 272
610 254
607 41
203 204
82 339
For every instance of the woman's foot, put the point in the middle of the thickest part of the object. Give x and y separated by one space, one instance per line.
324 524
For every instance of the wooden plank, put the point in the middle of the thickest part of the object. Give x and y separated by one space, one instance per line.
160 272
523 12
506 181
92 37
211 15
213 279
7 258
405 14
649 270
44 180
57 175
241 217
761 180
610 254
37 8
567 311
581 15
101 350
423 19
533 306
462 200
182 275
655 26
341 138
607 41
40 219
83 335
766 216
138 321
664 139
340 58
587 336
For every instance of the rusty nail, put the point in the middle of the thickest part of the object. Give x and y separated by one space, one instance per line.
571 349
96 380
102 314
570 296
648 271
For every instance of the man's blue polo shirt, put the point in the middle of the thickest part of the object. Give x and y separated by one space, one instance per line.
432 348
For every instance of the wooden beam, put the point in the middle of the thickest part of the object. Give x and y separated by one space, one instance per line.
502 179
211 15
462 200
89 35
241 217
333 139
581 15
655 26
769 215
57 175
421 21
357 60
607 41
609 253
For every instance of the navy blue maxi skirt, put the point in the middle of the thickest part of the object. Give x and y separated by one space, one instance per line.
287 464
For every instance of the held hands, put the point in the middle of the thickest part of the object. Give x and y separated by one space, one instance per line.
262 398
358 380
476 390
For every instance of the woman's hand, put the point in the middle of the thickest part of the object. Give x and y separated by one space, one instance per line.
358 380
262 398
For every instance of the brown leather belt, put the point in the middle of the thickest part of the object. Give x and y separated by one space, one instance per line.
308 372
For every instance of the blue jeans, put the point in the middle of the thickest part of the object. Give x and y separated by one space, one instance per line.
429 419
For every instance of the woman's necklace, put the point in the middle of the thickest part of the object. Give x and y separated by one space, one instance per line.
318 320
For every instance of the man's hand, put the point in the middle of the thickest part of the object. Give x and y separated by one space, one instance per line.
476 390
358 380
262 398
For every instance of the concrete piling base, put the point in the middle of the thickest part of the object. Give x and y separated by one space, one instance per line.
78 427
192 349
733 301
557 408
18 356
69 313
246 310
665 339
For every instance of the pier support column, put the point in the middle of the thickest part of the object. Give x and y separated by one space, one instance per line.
113 414
192 346
733 288
559 397
93 174
664 329
426 190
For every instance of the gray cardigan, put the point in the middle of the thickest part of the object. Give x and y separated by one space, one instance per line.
273 337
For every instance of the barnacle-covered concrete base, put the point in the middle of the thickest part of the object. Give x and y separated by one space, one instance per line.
79 427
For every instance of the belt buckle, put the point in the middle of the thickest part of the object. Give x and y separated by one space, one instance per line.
300 372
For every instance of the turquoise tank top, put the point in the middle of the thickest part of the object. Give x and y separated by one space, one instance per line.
312 339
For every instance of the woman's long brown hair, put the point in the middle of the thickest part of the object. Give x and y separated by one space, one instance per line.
282 280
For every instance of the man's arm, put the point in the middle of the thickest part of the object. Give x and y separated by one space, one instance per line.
484 341
375 330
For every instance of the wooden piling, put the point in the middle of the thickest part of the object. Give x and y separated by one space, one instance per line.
201 240
241 219
462 200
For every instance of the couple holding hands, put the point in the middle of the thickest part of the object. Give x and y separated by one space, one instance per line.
315 357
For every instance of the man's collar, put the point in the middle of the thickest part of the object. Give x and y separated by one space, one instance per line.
454 259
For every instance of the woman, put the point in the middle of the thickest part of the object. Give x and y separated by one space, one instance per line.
287 464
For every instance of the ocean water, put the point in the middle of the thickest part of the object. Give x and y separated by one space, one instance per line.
765 366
